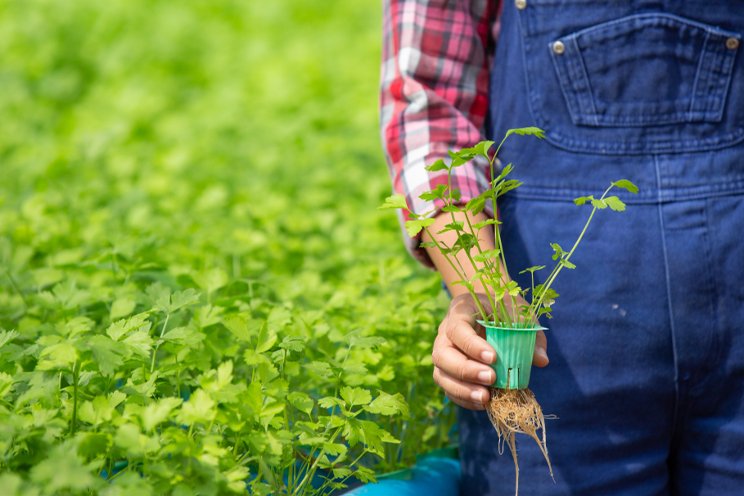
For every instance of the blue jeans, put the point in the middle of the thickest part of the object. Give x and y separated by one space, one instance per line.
646 342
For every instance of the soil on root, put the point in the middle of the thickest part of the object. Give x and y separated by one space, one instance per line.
516 411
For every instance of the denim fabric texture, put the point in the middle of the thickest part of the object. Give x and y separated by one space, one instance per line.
647 341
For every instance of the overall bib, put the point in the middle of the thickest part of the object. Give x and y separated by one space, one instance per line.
646 343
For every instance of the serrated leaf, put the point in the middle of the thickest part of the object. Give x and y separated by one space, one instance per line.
435 194
615 203
527 131
452 226
182 299
238 326
487 222
7 336
292 343
301 401
599 203
355 396
199 408
557 251
436 166
487 255
57 356
156 413
388 404
626 185
394 202
567 264
413 227
483 147
583 199
136 323
121 307
330 402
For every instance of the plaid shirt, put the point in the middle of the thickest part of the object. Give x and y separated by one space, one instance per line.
436 58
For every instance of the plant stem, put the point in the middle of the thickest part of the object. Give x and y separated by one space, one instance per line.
75 377
462 276
157 345
535 306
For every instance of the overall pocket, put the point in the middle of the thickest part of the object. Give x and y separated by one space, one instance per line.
645 70
641 83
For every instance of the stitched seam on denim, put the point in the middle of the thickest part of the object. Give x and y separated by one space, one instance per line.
730 186
585 74
532 95
668 295
669 145
564 84
710 280
697 76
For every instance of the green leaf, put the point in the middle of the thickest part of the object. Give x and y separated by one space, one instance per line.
136 323
487 255
615 203
121 307
7 336
435 194
476 205
452 226
437 166
532 269
487 222
292 343
388 404
626 185
413 227
527 131
182 299
583 199
199 408
355 396
557 251
57 356
158 412
394 202
266 339
483 147
567 264
109 355
600 204
301 401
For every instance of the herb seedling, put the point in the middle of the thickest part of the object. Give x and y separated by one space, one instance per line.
512 308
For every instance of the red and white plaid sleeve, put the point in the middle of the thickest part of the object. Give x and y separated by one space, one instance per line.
434 95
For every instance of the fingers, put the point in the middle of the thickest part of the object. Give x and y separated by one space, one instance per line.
464 337
452 362
467 395
540 358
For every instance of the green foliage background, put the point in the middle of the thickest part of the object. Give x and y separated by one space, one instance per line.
197 293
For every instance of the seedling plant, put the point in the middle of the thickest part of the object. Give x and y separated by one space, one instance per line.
510 306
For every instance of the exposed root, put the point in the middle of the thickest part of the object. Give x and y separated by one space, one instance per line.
514 411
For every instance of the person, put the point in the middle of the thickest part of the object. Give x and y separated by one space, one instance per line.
646 367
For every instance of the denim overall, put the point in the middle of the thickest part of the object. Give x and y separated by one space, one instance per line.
646 343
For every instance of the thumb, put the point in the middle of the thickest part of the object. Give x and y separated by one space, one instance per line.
540 358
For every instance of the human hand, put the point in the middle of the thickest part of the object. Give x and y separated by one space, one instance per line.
462 356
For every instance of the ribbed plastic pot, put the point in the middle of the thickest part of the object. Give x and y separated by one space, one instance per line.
514 347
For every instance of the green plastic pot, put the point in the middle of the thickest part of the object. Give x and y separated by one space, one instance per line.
514 347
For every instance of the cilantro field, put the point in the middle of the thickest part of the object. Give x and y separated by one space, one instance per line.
197 292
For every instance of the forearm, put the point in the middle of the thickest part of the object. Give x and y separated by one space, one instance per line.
454 270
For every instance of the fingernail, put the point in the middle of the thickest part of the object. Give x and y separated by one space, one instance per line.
487 356
476 396
485 376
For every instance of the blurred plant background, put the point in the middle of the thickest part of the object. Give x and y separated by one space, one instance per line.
197 293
